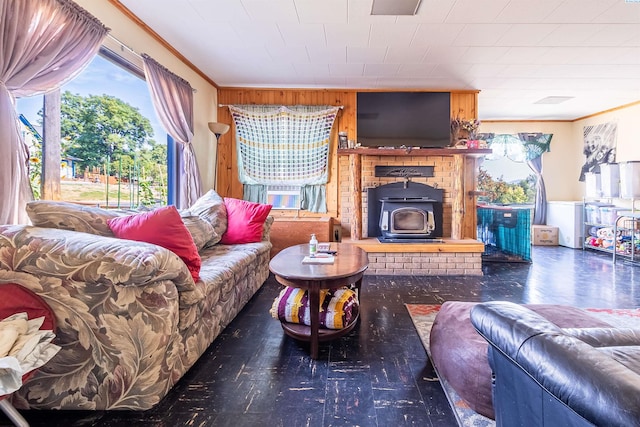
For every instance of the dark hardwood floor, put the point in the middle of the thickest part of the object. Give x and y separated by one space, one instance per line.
379 375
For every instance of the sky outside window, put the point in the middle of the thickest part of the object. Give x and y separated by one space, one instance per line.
506 169
103 77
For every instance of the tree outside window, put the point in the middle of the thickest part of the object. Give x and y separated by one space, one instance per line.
107 142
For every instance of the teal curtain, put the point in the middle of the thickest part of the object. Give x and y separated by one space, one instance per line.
254 193
313 198
535 144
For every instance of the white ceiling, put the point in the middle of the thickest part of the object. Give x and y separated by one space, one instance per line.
515 52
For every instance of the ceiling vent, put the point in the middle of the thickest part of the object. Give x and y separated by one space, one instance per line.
395 7
553 100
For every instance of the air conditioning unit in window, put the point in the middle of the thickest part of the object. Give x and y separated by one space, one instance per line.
283 196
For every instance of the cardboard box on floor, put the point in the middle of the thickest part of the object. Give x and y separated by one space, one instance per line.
544 235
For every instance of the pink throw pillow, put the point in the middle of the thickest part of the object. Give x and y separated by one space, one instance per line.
162 227
245 221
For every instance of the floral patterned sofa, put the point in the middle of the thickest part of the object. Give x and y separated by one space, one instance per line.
131 319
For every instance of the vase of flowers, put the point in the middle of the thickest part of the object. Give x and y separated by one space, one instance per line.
462 130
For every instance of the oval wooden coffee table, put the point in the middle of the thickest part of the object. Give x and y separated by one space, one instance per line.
347 269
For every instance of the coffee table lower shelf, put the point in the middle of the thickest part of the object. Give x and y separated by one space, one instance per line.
303 332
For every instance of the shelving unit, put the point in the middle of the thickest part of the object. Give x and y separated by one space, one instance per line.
629 230
618 233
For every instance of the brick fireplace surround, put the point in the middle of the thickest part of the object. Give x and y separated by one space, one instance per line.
454 172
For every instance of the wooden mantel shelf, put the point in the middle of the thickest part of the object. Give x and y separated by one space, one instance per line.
414 151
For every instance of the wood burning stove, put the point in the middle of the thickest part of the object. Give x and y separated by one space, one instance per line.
404 212
407 217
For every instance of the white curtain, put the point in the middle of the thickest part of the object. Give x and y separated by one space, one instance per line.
284 145
535 144
540 211
173 102
43 44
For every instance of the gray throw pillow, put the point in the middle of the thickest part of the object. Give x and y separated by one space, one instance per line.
210 207
201 231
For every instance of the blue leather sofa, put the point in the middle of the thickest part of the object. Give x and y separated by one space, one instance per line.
548 376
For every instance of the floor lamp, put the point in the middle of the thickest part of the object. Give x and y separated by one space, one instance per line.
218 129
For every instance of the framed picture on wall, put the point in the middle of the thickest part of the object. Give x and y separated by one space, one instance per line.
599 146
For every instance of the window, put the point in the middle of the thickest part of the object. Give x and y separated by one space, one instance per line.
283 196
113 148
506 181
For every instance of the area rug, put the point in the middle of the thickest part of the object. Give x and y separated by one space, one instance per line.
423 316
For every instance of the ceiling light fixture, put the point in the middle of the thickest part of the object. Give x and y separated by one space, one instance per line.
395 7
553 100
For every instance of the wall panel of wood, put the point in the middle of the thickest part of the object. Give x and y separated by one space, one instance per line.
227 180
470 220
463 104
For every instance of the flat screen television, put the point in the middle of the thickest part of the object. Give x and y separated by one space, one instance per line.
410 119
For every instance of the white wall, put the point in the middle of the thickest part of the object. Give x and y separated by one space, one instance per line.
205 98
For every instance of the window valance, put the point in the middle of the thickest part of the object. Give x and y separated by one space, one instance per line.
520 147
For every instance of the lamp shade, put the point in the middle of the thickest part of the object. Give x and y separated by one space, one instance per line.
218 128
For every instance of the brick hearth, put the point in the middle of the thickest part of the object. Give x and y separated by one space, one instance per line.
451 258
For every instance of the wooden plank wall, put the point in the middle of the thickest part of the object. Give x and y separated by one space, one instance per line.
227 181
463 104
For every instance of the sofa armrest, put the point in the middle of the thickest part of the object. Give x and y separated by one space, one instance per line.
117 305
606 337
89 258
